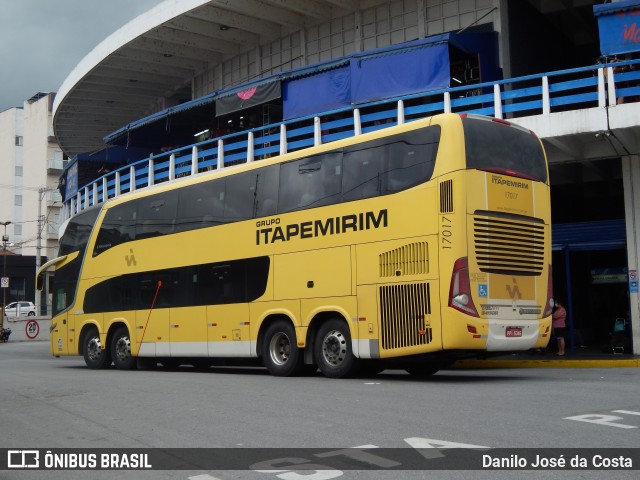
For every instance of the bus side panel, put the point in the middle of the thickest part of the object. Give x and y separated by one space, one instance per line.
368 343
188 331
398 296
315 273
59 344
342 307
79 322
228 330
261 311
152 329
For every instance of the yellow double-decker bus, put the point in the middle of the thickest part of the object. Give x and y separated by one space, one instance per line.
409 246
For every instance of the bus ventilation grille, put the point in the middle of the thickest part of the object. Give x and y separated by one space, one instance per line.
402 312
446 196
411 259
509 246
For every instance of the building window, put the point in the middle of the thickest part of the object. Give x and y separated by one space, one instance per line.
18 201
18 172
18 140
17 229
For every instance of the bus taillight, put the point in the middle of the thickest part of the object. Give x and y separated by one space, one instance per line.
548 306
460 290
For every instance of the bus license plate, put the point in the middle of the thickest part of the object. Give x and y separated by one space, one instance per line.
513 332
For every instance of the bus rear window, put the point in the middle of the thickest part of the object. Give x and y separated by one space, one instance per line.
504 149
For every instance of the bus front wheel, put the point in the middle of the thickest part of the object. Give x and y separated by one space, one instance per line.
94 355
333 350
121 350
280 352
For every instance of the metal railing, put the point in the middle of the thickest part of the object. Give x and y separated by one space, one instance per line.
542 94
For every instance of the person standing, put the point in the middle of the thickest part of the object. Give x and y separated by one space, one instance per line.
559 322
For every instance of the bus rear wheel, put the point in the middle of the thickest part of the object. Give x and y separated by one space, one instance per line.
94 355
333 350
121 350
280 352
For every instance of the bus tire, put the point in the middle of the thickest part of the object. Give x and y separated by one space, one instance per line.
333 350
94 355
121 350
280 352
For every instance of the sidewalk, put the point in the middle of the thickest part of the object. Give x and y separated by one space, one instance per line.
580 358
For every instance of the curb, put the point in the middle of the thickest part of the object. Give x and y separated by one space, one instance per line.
478 364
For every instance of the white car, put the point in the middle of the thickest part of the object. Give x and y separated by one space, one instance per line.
18 309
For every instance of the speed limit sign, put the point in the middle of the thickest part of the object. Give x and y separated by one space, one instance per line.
32 329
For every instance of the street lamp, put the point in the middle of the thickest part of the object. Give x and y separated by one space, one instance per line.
5 239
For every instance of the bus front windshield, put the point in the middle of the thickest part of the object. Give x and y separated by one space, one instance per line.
502 148
76 235
74 239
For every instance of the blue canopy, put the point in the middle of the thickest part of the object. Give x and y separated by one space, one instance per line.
410 67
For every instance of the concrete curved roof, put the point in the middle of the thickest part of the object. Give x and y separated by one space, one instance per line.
157 54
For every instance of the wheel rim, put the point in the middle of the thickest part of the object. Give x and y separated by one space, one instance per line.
280 348
94 349
334 348
123 349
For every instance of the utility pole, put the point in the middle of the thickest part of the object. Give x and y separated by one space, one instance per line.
41 223
5 280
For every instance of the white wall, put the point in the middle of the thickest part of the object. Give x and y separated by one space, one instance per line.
22 329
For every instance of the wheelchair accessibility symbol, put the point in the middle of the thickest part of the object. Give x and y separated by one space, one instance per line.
483 291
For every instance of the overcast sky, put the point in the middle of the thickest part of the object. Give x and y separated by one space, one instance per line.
42 41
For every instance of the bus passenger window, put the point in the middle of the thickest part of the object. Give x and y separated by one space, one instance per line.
164 295
363 172
156 215
412 160
200 205
310 182
266 190
239 197
221 283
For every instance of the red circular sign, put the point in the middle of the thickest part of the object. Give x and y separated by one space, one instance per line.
32 329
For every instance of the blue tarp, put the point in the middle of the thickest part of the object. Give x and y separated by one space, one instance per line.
619 26
322 92
394 74
397 70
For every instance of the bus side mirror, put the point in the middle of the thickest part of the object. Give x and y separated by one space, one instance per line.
40 281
